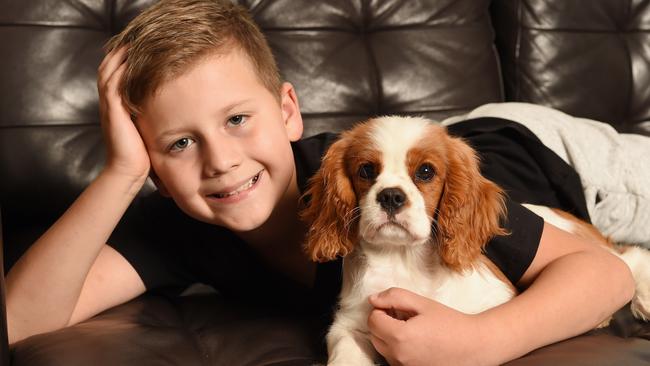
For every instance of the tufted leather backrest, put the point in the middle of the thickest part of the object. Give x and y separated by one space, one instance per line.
352 59
589 58
348 59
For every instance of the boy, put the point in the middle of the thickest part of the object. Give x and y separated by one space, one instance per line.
213 126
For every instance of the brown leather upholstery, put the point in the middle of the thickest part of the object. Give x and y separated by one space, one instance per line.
348 59
587 58
4 346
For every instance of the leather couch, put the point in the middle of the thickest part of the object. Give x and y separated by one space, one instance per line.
348 59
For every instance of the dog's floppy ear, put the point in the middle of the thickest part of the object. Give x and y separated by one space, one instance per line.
331 206
470 208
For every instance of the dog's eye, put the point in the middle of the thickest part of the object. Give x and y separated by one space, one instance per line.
425 172
367 171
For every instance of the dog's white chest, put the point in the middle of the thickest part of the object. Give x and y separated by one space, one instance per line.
390 271
472 291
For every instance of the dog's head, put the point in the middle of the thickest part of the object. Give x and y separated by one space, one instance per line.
401 181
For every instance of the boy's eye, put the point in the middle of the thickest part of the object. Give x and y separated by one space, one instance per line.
182 144
237 120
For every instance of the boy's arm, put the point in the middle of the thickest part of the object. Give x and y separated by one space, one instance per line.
64 276
44 288
573 286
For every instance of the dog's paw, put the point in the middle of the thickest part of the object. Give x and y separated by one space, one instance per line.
638 259
641 306
604 323
355 361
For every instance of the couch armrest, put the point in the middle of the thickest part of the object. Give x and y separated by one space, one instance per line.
4 345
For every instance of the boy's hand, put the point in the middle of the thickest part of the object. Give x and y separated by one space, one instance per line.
127 154
409 329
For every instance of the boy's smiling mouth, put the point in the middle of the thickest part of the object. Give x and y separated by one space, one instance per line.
232 195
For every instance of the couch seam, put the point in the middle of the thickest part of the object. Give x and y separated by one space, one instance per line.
630 87
111 16
517 54
372 60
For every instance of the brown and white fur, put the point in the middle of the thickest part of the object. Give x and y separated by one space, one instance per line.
375 202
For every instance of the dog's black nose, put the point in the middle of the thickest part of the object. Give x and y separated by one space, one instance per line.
391 199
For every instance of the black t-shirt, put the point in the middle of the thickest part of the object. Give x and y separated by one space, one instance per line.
170 250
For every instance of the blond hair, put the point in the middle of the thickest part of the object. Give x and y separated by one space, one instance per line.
168 38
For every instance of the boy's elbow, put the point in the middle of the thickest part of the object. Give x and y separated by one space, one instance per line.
618 270
13 335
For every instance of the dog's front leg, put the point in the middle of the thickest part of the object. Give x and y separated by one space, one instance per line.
347 345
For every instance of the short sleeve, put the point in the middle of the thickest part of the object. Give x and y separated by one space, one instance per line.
529 172
147 236
513 253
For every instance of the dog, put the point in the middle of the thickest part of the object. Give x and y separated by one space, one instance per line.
404 203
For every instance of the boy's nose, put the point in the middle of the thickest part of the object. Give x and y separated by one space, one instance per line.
219 158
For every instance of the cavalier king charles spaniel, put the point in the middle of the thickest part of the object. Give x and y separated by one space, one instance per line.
406 206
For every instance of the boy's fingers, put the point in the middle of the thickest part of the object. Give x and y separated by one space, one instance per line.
114 81
107 56
108 93
382 325
384 349
107 59
398 299
111 63
113 95
380 345
116 61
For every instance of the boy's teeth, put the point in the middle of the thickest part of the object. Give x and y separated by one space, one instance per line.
243 187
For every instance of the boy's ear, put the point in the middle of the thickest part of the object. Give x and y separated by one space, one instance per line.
291 112
159 184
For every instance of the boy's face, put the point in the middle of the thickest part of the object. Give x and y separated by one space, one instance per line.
218 141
